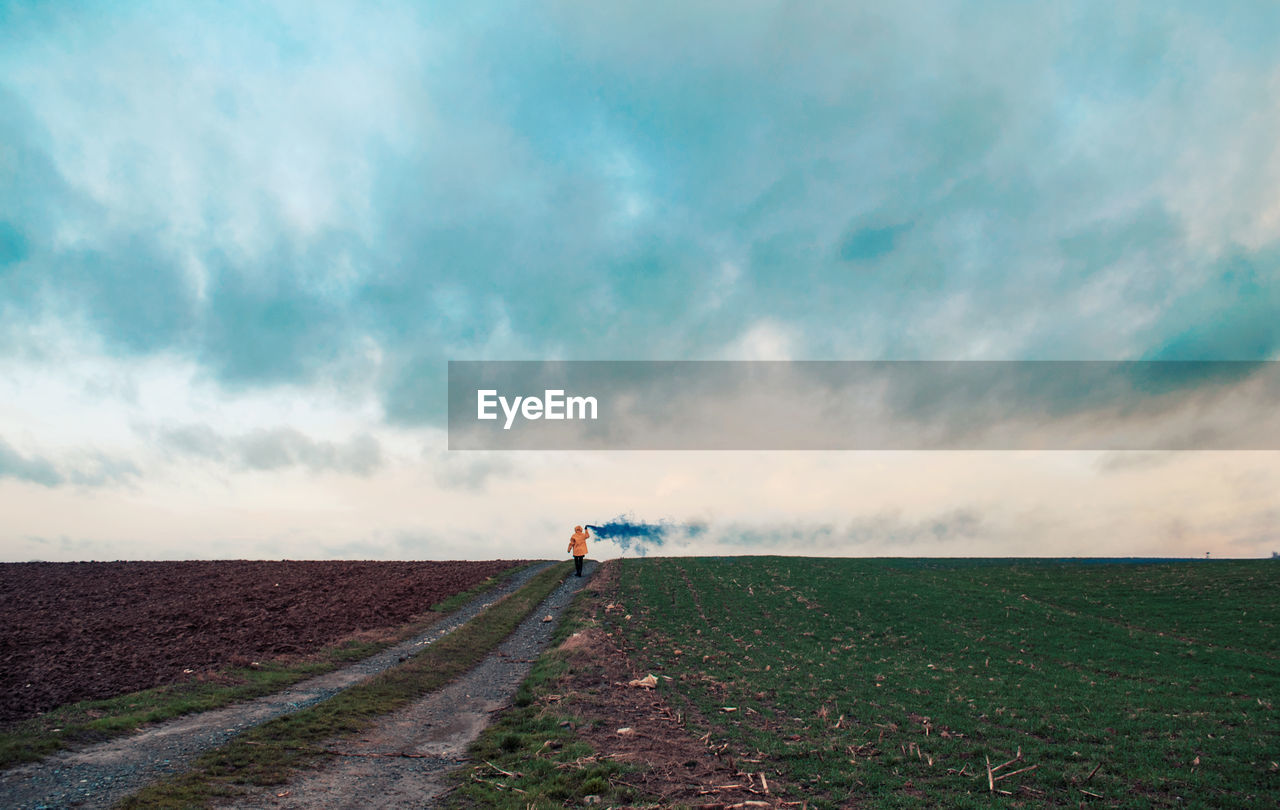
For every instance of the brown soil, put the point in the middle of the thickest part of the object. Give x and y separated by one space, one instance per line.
405 758
77 631
675 765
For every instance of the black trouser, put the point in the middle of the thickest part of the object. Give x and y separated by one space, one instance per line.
577 563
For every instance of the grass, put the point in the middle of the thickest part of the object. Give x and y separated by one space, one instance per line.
93 721
532 756
267 754
892 682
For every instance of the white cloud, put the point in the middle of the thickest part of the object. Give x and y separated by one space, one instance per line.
765 340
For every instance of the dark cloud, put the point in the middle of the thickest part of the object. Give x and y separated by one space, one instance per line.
13 245
277 318
867 243
34 201
132 289
1233 316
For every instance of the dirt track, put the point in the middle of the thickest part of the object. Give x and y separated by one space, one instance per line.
103 774
403 760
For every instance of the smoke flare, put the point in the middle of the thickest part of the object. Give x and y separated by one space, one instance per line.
625 531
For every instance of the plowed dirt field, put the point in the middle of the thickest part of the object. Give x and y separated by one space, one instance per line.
75 631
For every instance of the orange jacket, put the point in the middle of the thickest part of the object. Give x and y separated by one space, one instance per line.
578 543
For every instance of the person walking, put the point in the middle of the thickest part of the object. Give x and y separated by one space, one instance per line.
578 547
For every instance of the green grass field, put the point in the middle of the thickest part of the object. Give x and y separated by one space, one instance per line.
893 682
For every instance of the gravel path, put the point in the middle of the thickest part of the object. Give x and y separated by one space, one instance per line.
403 761
101 775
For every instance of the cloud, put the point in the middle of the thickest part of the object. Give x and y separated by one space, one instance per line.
469 471
264 195
764 340
103 470
867 243
276 449
199 441
1232 316
286 447
27 468
13 245
886 533
266 323
86 468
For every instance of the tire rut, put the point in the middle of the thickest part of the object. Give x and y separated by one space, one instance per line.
102 774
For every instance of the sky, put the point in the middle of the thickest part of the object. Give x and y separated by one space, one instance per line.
239 243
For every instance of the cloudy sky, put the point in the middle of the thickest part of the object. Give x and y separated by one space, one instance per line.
239 243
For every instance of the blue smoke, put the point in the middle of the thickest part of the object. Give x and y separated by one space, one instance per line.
627 532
